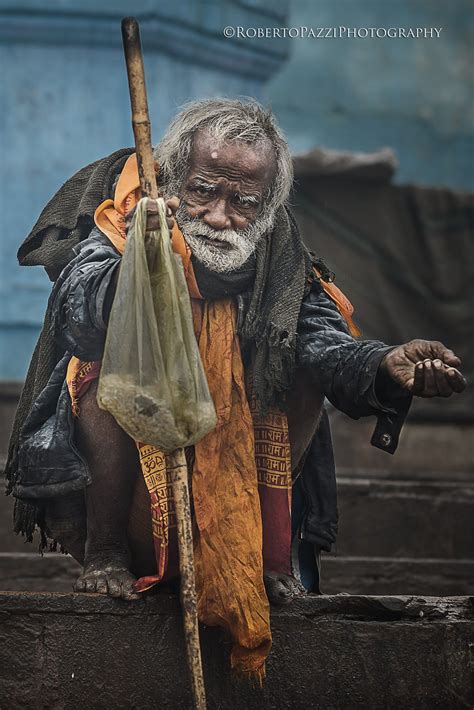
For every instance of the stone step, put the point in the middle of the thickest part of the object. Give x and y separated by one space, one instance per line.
31 572
384 518
377 518
426 449
64 651
387 575
411 475
54 572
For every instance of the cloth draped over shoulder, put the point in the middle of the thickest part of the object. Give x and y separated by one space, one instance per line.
67 219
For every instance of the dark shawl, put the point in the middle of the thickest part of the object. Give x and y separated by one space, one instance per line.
272 285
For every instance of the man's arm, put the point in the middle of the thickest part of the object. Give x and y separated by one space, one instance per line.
363 377
82 296
345 368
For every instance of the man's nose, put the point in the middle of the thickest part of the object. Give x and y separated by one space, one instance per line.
216 216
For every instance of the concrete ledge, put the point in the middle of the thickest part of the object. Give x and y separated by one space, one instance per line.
332 652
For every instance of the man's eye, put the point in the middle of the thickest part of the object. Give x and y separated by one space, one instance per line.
199 190
243 202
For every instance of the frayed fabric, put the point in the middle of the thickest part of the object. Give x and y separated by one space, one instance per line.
27 517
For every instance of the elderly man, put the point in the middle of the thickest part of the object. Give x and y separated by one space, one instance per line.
226 172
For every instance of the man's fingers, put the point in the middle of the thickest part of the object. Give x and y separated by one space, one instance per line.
151 207
441 352
442 379
418 379
434 379
173 204
430 389
152 219
456 380
152 223
432 350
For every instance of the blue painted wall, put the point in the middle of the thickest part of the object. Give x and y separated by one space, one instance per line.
64 99
414 95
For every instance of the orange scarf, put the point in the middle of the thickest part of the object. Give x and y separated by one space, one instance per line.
225 479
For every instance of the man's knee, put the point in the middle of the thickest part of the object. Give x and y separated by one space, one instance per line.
99 437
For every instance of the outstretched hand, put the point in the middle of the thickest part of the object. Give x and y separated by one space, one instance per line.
426 368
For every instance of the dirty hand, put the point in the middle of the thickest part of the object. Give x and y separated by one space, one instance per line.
424 367
152 221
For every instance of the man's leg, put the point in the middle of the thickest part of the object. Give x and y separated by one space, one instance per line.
113 462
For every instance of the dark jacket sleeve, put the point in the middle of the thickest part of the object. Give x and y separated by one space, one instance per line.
81 298
346 369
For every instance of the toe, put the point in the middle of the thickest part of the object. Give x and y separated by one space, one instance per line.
79 585
277 588
284 593
288 588
128 594
279 593
90 585
101 586
115 588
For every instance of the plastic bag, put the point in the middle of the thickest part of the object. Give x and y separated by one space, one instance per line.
152 379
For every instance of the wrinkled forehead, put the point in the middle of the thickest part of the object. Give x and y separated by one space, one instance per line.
234 159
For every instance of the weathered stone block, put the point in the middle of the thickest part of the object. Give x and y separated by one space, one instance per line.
69 651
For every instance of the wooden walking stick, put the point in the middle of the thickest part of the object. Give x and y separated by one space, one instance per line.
176 461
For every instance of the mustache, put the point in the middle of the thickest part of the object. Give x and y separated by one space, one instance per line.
196 227
240 244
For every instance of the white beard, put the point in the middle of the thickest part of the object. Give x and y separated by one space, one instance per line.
220 259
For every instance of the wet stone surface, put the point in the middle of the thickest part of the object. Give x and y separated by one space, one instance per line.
72 650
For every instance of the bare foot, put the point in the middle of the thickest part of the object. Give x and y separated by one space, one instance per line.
107 575
282 588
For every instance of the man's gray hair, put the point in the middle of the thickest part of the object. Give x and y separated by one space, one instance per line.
226 120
